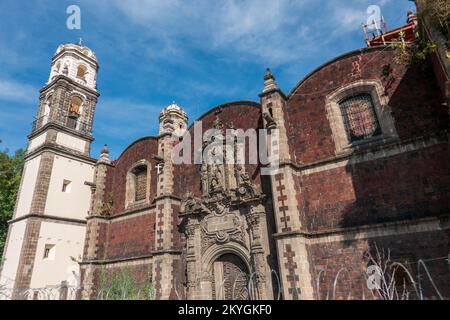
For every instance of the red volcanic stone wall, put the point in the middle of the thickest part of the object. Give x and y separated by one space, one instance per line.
142 149
406 186
413 93
240 115
108 195
179 240
131 237
349 257
100 240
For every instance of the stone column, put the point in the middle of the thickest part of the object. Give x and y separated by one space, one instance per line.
295 276
96 227
259 250
166 239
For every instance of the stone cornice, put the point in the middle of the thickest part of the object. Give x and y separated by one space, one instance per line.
63 78
137 211
269 92
441 222
74 53
130 259
61 151
49 218
441 138
60 127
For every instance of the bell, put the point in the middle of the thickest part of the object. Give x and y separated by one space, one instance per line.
73 116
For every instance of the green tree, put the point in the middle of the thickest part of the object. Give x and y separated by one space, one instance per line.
11 167
439 13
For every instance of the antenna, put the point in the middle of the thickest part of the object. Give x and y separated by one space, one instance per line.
374 29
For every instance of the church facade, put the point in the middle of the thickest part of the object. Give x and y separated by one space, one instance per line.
362 167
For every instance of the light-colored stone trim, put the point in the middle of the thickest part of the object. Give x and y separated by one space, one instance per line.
54 219
130 195
379 153
370 231
381 104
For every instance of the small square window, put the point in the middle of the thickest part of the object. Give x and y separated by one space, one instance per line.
67 186
49 252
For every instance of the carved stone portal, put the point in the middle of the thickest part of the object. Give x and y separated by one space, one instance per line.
227 243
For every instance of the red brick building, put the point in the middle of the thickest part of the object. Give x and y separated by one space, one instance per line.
364 171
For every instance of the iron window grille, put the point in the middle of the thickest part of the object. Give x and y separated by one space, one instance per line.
359 116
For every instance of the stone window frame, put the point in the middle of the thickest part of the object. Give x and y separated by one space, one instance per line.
130 189
83 99
84 70
382 110
44 116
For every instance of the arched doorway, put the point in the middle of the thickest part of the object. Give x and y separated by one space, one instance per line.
230 278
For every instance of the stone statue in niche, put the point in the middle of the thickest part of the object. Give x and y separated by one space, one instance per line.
217 178
270 122
204 178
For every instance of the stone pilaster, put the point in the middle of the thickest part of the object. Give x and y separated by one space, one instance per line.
27 256
260 250
295 277
166 223
42 183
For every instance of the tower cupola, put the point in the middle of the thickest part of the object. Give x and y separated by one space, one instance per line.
173 120
77 62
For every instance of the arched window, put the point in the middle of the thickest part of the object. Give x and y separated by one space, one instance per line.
74 112
47 109
359 115
81 71
360 118
138 184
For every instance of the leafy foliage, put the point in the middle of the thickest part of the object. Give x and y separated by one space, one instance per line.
120 285
412 53
10 175
439 12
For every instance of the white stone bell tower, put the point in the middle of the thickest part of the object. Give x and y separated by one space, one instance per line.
48 227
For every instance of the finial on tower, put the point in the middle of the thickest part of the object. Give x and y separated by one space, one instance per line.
104 155
269 81
80 42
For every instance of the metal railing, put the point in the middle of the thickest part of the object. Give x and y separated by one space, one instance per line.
60 292
66 121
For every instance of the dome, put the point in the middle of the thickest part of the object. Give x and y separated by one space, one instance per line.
79 47
173 108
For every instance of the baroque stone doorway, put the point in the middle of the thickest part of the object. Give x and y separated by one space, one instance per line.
230 278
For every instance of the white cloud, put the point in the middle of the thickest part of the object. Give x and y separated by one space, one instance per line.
121 119
262 31
11 90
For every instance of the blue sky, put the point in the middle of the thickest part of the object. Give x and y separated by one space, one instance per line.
199 53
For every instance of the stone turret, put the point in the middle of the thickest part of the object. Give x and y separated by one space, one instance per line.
173 120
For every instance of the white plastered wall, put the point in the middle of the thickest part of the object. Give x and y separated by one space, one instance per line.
74 204
72 64
71 142
26 192
12 255
68 240
37 141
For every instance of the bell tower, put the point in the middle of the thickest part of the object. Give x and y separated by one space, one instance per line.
49 222
67 102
